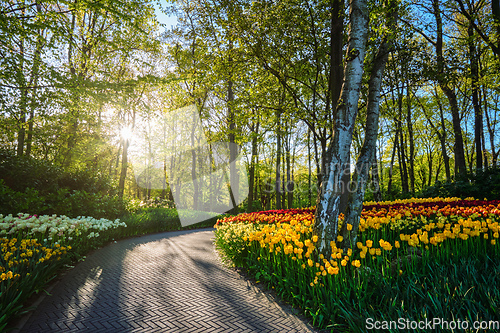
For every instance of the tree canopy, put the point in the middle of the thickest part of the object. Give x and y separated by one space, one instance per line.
343 101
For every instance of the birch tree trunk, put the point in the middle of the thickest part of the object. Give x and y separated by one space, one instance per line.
337 155
363 163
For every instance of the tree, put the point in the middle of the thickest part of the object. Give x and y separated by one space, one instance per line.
337 155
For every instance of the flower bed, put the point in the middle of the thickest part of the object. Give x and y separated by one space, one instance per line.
34 248
418 259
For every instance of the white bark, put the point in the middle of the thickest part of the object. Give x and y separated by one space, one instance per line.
365 158
337 155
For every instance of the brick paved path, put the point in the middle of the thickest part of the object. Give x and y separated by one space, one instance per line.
168 282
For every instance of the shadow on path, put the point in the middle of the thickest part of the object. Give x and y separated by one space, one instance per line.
168 282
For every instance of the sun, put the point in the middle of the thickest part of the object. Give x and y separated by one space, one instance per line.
126 133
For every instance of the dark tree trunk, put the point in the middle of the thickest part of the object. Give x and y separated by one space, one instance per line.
460 165
278 160
309 174
289 182
374 173
253 163
478 114
233 148
411 157
429 164
21 134
442 139
391 165
123 173
403 173
194 176
34 82
336 50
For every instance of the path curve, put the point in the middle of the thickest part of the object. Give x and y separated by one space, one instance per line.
167 282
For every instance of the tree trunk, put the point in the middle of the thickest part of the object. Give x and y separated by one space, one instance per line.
380 172
233 148
495 9
309 173
478 114
337 155
460 166
288 184
21 134
441 135
363 162
391 166
429 164
278 160
34 82
442 139
283 183
437 173
289 181
491 132
335 86
123 173
403 173
336 50
374 173
411 157
194 176
164 182
251 171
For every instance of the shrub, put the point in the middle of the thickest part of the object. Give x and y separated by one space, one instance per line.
480 184
28 184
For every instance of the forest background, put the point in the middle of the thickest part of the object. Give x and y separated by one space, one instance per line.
82 81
